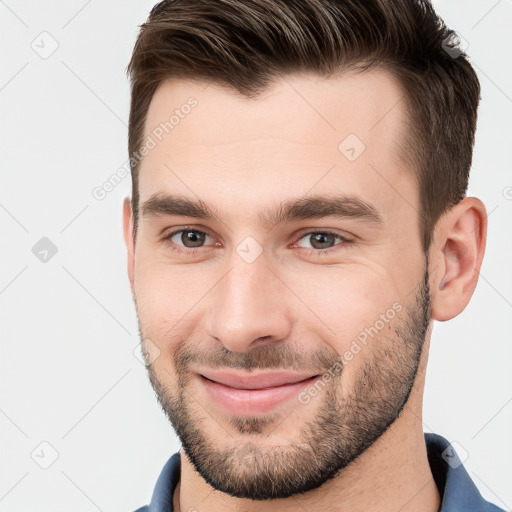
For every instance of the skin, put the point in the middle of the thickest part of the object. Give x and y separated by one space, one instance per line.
241 156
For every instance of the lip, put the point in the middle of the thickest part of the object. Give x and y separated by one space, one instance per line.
255 392
258 380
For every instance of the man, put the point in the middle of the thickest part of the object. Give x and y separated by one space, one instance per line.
298 221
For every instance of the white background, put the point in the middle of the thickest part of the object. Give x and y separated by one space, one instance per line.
68 375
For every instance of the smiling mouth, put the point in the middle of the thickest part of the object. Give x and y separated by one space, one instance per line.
254 380
250 394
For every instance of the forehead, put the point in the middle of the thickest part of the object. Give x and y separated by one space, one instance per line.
302 133
351 102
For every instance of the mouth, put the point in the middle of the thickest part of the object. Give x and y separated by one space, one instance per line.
253 393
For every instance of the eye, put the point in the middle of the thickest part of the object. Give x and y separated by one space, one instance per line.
186 239
322 242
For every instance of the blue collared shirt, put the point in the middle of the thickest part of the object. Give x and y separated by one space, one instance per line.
457 490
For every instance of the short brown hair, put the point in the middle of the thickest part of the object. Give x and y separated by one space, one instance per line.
245 44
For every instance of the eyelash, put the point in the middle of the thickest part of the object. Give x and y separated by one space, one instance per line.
310 252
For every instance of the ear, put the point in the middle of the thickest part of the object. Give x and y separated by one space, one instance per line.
456 255
128 238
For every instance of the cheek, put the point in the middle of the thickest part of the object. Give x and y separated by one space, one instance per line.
167 298
347 307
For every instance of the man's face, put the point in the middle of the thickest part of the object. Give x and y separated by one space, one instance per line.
328 312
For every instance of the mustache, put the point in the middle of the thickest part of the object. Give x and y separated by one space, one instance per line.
278 356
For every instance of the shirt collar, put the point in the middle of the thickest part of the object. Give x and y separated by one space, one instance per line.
458 492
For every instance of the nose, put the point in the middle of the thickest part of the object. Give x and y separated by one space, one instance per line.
248 307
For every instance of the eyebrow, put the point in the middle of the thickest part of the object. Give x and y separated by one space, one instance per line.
303 208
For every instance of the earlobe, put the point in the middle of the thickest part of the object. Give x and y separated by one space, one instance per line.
458 253
128 239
